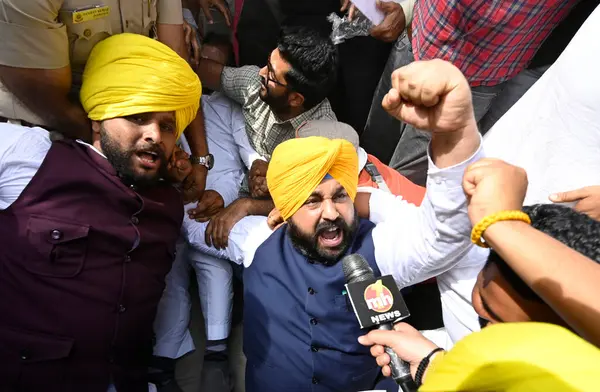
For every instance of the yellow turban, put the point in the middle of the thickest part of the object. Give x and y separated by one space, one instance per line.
517 357
130 74
298 166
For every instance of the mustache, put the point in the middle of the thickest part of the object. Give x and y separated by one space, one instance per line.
153 148
338 223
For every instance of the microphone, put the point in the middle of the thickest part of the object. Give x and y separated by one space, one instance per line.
377 302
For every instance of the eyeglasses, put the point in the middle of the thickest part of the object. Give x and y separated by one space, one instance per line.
271 72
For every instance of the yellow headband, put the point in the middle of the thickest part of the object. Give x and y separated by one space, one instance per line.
130 74
298 166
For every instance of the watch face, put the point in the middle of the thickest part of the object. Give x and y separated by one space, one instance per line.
210 161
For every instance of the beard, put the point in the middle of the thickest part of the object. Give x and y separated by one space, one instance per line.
278 104
308 244
123 161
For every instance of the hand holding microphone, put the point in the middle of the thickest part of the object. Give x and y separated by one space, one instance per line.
378 303
408 343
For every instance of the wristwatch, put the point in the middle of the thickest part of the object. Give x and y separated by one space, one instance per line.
208 161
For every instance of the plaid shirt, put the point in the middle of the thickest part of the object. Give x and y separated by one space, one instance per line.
489 40
264 130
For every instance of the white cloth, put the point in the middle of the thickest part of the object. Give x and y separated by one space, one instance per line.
553 131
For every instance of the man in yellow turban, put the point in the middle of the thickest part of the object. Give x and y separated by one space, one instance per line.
299 331
88 231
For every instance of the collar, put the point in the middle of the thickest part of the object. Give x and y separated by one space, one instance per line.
362 158
92 147
301 118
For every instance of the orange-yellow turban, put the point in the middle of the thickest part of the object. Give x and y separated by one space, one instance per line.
298 166
130 74
517 357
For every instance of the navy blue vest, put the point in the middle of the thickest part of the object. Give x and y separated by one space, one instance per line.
300 333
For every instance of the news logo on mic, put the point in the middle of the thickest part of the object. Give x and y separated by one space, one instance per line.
377 301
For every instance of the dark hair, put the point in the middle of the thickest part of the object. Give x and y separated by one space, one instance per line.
576 230
313 62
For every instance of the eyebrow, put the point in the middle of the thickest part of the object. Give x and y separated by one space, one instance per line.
489 310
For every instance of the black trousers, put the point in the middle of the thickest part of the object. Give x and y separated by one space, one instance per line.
362 59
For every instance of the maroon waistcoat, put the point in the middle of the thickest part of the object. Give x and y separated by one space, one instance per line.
83 259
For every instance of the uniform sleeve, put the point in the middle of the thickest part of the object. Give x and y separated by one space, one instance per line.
170 12
413 243
32 36
241 84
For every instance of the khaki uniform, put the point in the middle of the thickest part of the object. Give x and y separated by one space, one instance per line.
51 34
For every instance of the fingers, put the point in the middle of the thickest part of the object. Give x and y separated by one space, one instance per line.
206 10
385 6
224 10
474 173
377 337
208 233
352 13
196 51
344 4
565 197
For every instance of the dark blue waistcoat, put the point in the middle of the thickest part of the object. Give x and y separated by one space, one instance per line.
300 333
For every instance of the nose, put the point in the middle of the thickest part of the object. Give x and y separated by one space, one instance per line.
152 132
329 211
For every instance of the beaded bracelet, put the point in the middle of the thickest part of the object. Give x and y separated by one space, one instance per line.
481 227
423 366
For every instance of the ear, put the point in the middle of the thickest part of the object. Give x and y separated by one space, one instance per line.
296 100
96 127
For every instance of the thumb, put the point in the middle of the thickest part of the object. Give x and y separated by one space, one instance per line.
380 337
206 11
562 197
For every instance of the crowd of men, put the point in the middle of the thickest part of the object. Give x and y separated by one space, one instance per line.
152 151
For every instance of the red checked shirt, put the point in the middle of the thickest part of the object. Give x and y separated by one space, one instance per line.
489 40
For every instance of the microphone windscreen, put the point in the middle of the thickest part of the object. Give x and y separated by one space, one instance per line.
356 269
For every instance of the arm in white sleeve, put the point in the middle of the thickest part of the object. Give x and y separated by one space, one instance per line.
228 186
238 124
417 243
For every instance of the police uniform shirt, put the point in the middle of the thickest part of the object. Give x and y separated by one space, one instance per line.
52 34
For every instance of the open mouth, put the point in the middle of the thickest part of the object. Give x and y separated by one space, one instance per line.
331 237
149 159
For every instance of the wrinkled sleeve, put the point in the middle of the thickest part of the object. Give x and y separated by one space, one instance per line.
240 84
417 243
32 36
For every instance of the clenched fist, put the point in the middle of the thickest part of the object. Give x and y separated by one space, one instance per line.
431 95
491 186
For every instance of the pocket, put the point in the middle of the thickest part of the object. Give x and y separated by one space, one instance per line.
84 36
368 377
57 248
31 360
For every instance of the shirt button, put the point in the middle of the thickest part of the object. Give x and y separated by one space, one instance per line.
315 380
25 354
314 349
135 220
127 258
311 291
442 218
122 308
439 180
87 33
56 235
314 321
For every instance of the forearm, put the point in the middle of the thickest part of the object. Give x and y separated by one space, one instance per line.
562 277
209 72
451 148
46 93
195 135
173 36
259 207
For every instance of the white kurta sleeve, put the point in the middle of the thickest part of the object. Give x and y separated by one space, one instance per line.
413 243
